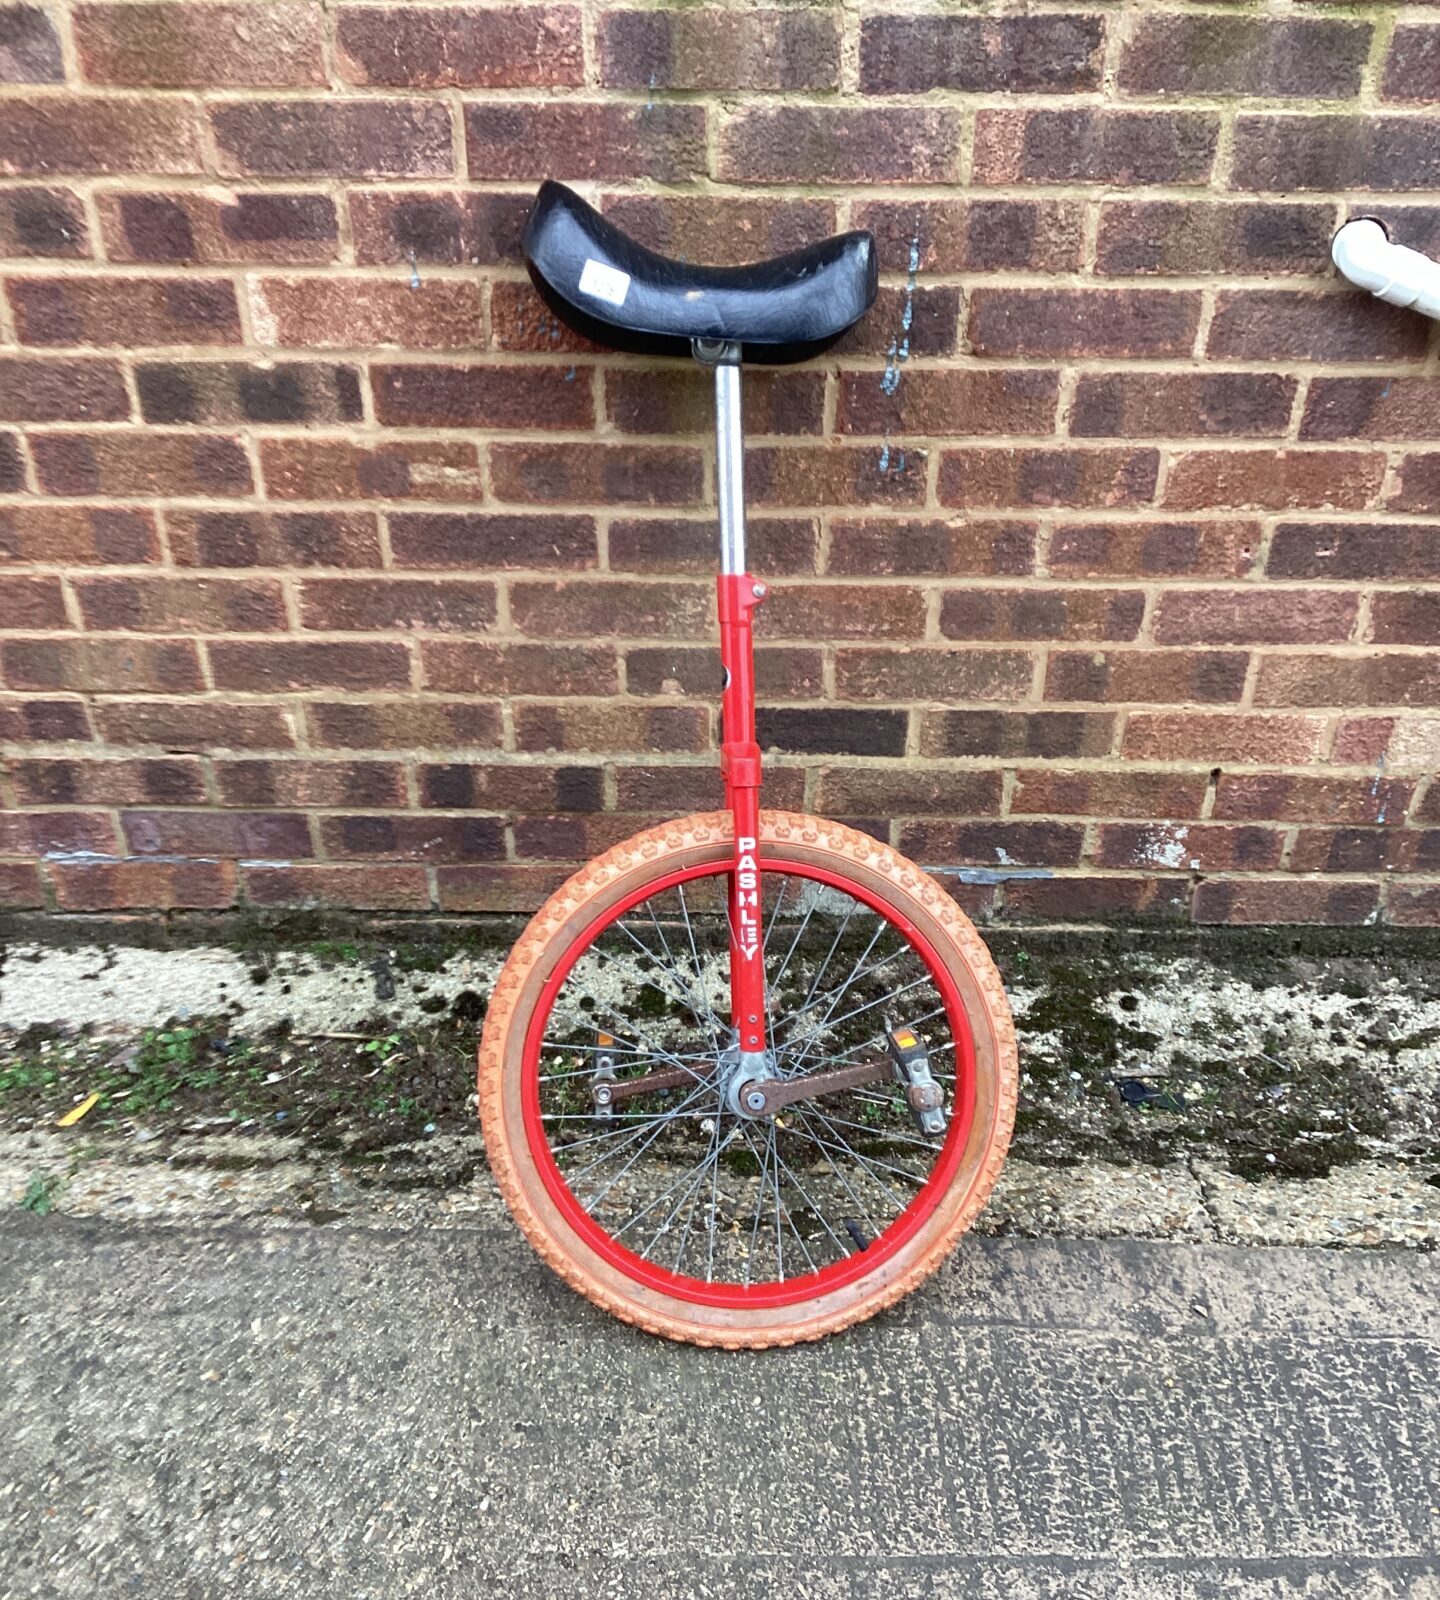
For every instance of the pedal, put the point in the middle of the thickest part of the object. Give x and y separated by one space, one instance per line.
911 1061
602 1079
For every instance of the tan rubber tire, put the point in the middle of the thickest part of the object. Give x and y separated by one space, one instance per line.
690 841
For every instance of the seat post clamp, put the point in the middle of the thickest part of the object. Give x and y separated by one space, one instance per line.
716 352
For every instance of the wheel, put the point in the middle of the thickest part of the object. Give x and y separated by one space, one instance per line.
666 1201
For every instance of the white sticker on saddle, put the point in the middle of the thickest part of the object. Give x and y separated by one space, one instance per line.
604 283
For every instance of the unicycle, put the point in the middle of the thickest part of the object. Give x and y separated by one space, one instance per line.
746 1077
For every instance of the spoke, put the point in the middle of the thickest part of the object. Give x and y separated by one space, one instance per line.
660 1122
712 1160
759 1204
774 917
834 1001
864 1163
815 1210
882 1000
712 1020
774 986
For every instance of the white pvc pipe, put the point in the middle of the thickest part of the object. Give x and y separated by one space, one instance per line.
1363 252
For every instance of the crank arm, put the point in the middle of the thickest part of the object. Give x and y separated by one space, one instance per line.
610 1091
764 1097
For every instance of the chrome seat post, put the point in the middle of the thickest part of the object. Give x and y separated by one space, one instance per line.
729 449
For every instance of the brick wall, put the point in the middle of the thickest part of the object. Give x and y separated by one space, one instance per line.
1108 548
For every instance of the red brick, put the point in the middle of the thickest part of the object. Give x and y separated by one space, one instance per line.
488 540
1211 677
806 476
842 611
397 888
180 46
1354 551
12 463
1374 679
589 608
573 837
219 230
333 138
367 605
1086 145
1255 616
932 674
33 390
182 605
1133 405
1294 797
35 833
1419 488
1153 549
1414 904
32 721
1023 844
440 225
202 725
521 321
417 395
363 313
1275 480
1229 55
1097 897
893 791
976 235
1412 64
310 784
1183 237
1003 477
78 535
831 731
832 144
20 886
1038 735
1335 153
590 725
341 469
1371 408
1305 325
710 48
1356 850
40 222
141 885
782 672
275 835
1083 322
426 837
1230 737
1013 55
236 391
504 886
1280 900
162 666
675 400
630 474
88 134
1128 793
924 320
1188 847
397 724
785 546
430 47
1407 744
911 547
470 667
29 46
948 402
571 140
279 665
510 787
28 604
1405 618
273 538
723 230
1042 613
143 462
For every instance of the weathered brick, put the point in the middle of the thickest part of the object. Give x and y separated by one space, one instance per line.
29 604
1033 613
1375 679
182 605
172 45
401 724
202 725
439 225
1408 744
287 664
711 48
30 833
1146 676
1005 477
1303 797
1412 64
332 138
276 834
471 667
98 134
589 474
1302 325
78 535
1281 900
33 390
369 605
1024 844
1228 55
1275 480
1021 54
1356 850
1414 905
975 235
1098 897
12 463
419 395
521 321
1183 237
1191 847
842 611
1134 405
932 674
948 402
630 608
489 540
368 888
33 721
835 144
426 837
143 885
911 547
1412 618
493 786
601 141
163 666
434 47
143 462
1255 616
1083 322
574 837
306 784
1335 153
124 311
591 725
784 546
1352 551
925 320
1034 735
1232 737
20 886
273 538
343 469
782 672
1087 145
1371 408
29 46
908 791
363 313
1419 486
236 391
39 222
855 475
1153 549
504 886
1124 793
831 731
729 230
210 229
679 400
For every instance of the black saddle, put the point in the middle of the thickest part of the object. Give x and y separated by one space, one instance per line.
618 293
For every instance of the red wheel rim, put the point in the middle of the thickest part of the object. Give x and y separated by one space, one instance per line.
803 1286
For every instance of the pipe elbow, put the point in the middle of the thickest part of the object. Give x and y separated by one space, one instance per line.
1364 253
